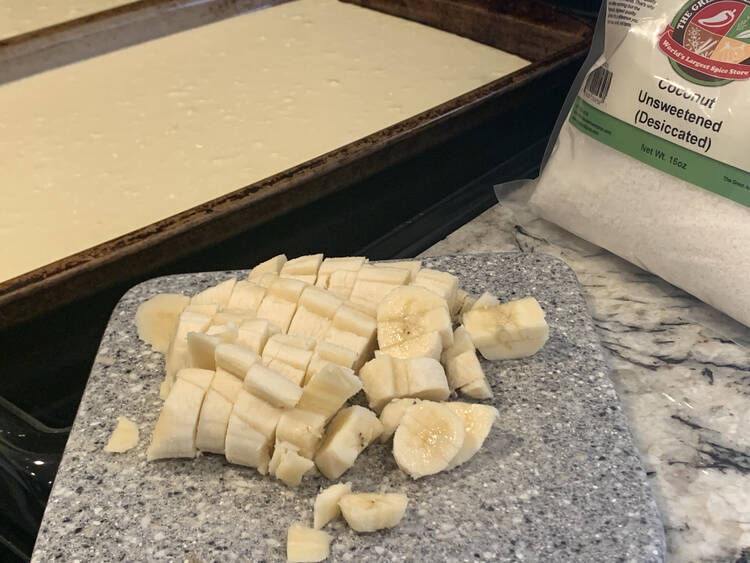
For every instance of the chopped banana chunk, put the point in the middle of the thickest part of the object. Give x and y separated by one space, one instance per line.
174 433
287 465
271 386
369 512
328 390
326 506
156 319
261 370
306 545
427 439
478 421
386 378
270 266
124 437
392 414
218 294
508 331
348 434
411 311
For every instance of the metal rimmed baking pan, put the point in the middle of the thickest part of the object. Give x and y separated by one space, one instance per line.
552 41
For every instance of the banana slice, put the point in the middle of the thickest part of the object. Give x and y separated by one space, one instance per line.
302 428
392 414
234 358
462 367
303 268
428 438
477 421
280 302
314 313
293 374
293 350
330 265
156 319
442 283
278 342
341 283
287 465
305 545
289 355
478 389
426 379
218 294
270 266
124 437
328 390
234 317
428 345
272 387
464 301
379 380
266 280
174 433
348 434
369 512
255 333
227 332
251 432
386 378
209 309
409 312
246 446
485 300
217 408
461 343
202 346
373 284
177 355
516 329
257 413
246 295
326 506
463 370
354 330
411 266
325 353
200 377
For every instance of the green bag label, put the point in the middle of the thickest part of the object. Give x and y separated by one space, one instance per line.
703 171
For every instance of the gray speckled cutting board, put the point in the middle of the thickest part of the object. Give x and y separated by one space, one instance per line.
558 479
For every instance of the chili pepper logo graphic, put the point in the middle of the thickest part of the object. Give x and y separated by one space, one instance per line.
708 43
719 20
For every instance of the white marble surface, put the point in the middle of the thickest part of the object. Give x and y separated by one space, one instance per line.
682 371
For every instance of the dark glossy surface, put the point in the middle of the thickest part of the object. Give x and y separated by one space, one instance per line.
30 453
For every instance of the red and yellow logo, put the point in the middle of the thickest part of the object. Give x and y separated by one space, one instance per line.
708 41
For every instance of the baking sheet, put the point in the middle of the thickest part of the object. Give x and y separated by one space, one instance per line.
558 479
530 27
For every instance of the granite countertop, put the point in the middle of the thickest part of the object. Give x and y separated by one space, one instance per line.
681 369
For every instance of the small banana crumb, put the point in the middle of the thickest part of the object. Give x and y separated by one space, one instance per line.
124 437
